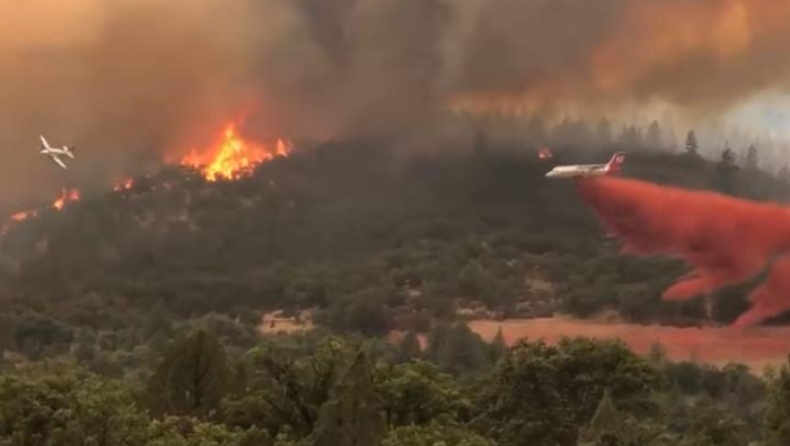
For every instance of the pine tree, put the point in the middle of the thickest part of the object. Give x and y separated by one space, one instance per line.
354 416
725 170
498 346
409 347
604 422
462 351
728 157
692 147
437 339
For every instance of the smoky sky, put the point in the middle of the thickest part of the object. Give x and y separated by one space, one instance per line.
130 80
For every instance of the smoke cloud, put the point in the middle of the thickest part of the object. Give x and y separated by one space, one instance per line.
129 79
725 240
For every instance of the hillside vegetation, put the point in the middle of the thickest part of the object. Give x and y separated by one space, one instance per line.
131 318
368 240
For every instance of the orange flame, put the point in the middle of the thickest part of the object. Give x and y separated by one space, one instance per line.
233 157
66 196
124 185
23 215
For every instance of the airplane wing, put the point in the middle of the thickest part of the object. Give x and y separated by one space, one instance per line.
44 141
57 160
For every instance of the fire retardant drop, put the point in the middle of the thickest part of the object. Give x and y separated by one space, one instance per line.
724 240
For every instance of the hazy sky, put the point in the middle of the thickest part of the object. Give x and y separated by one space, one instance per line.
128 81
765 114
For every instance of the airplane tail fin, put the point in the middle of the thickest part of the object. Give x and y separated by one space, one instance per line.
616 163
70 150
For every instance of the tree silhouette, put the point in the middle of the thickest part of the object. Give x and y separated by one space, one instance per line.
498 346
604 422
692 147
725 172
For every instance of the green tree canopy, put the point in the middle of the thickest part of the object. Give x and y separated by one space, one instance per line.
542 395
192 377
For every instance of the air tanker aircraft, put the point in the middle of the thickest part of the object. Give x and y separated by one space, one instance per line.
589 170
54 153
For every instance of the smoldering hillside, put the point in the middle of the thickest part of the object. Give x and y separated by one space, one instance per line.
129 80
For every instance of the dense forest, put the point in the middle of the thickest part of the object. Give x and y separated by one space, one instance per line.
320 389
369 241
132 316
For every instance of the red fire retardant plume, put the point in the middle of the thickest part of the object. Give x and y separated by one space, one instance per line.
724 240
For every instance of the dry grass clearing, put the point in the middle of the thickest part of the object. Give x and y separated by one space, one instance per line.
755 347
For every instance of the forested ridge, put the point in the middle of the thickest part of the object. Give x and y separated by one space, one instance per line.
370 241
131 316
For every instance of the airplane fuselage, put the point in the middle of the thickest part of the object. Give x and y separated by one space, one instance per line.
584 170
57 152
589 170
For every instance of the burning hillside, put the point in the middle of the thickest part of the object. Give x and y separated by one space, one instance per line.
66 195
232 156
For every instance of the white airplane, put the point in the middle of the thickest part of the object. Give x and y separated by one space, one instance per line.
54 153
589 170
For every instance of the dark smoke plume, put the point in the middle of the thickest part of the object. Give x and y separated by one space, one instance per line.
127 80
725 240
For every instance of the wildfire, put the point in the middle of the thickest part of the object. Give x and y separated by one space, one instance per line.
233 157
23 215
124 185
66 196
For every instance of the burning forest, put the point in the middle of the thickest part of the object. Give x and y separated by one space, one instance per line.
363 68
232 156
139 304
66 196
